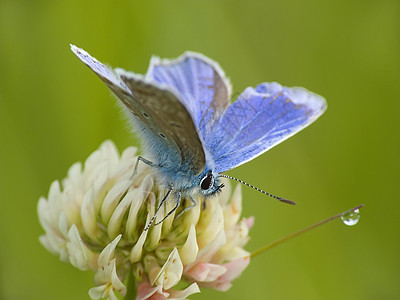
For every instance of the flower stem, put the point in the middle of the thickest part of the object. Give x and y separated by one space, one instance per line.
131 290
301 231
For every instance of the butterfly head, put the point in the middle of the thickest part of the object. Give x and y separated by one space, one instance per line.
209 184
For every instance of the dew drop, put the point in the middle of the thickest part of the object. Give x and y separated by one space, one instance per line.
351 217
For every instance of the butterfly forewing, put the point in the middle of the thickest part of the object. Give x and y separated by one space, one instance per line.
169 119
200 82
169 131
260 119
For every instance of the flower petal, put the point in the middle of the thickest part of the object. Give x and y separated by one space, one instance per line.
182 225
250 222
137 250
108 252
236 237
88 215
138 195
114 225
63 223
80 256
205 272
234 209
112 199
234 269
188 252
206 254
129 153
171 271
109 151
117 284
183 294
226 194
98 292
107 275
212 229
155 230
146 291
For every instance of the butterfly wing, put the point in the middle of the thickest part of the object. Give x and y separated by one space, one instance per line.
261 118
164 123
200 82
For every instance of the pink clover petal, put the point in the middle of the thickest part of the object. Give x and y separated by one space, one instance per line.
205 272
146 291
234 269
250 222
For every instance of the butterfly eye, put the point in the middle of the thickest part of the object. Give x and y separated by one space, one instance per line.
207 182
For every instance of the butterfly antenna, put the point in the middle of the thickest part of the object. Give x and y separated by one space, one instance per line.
268 194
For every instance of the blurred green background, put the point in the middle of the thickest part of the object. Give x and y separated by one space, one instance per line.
54 111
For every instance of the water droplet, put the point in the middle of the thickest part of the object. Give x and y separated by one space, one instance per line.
351 217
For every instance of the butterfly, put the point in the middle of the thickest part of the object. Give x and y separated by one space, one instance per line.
190 131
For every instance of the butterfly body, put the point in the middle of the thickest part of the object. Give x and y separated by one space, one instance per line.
177 158
190 132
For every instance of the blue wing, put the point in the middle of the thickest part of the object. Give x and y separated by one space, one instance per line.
261 118
200 82
158 115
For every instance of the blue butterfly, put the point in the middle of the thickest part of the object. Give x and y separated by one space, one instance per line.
191 133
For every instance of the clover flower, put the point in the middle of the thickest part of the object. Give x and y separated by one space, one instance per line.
96 222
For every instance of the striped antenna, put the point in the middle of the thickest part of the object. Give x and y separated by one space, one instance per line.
268 194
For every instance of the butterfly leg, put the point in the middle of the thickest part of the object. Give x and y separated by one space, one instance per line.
147 162
187 208
178 201
158 209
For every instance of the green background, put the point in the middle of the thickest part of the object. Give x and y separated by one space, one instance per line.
54 111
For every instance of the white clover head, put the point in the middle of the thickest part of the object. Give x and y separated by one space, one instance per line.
96 222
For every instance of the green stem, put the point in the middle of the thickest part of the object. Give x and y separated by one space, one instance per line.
131 290
301 231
